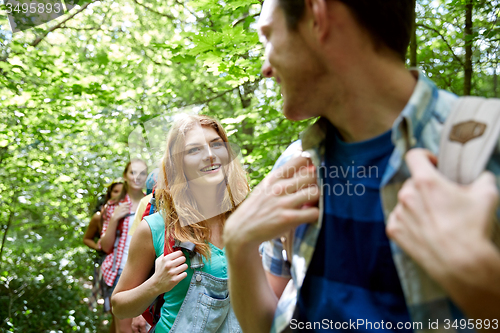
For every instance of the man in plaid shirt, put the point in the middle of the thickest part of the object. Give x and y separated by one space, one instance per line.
399 249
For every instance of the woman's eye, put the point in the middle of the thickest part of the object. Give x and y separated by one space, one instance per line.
193 150
217 144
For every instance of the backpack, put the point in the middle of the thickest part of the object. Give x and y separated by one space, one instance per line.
469 137
153 313
151 206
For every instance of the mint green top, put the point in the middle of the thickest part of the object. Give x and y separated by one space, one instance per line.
217 266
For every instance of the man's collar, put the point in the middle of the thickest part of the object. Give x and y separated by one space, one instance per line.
314 135
417 112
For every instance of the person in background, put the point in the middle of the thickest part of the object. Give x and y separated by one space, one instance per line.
139 324
93 233
92 239
150 184
115 239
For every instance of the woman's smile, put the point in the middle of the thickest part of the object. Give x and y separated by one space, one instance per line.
211 168
204 155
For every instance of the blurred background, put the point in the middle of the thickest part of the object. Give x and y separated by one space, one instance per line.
72 90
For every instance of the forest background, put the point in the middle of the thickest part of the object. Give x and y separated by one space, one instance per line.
72 90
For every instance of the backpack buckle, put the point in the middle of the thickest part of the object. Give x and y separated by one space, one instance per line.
188 246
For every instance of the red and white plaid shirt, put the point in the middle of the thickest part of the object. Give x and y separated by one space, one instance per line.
109 271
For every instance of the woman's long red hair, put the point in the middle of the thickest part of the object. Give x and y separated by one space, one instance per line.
179 209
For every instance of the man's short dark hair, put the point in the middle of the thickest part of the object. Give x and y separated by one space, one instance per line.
390 22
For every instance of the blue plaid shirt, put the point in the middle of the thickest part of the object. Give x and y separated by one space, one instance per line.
419 125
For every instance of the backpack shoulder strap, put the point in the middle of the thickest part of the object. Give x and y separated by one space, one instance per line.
153 313
469 136
168 245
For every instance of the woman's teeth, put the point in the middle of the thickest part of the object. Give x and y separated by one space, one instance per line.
210 168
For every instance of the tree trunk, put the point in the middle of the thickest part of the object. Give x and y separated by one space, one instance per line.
468 37
495 82
246 93
413 41
5 231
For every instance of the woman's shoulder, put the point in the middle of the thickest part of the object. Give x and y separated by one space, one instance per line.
95 219
155 220
157 227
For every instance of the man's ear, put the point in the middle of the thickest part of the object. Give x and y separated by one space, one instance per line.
321 23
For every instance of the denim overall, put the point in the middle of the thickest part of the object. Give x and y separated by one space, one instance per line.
206 307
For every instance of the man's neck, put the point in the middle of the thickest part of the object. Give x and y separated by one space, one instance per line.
372 99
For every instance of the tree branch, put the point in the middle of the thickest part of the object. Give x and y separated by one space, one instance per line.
494 24
208 100
235 23
154 11
82 29
217 96
186 8
60 25
444 40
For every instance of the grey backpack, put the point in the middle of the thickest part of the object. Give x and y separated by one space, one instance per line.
470 136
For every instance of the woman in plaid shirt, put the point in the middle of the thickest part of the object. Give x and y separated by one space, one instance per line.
115 239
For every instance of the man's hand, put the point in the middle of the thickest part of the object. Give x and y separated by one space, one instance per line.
438 222
446 228
285 199
282 201
139 325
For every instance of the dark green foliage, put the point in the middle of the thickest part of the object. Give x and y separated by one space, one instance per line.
40 291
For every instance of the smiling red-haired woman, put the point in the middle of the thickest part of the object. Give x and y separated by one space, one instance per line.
201 182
